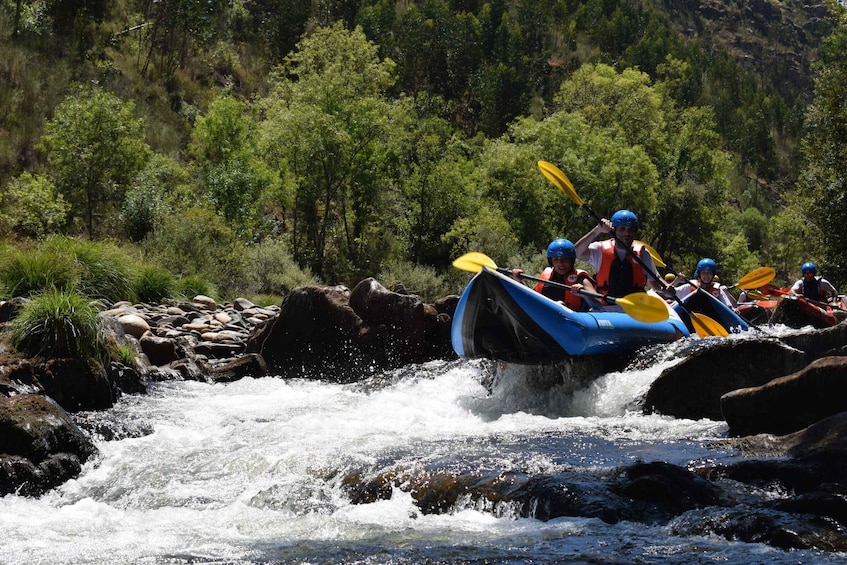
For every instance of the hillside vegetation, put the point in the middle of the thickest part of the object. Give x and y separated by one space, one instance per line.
263 145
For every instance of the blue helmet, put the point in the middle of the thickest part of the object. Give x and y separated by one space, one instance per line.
706 264
809 267
624 218
561 248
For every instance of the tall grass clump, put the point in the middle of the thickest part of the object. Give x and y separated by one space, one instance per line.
60 323
25 272
153 284
105 271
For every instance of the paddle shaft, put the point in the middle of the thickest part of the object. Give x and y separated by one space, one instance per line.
701 323
638 260
582 291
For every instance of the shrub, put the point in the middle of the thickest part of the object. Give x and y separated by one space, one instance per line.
60 323
192 285
32 207
265 299
270 269
24 272
417 279
198 242
153 284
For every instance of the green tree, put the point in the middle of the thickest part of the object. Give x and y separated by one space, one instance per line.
823 182
683 202
331 129
435 192
160 187
95 147
234 177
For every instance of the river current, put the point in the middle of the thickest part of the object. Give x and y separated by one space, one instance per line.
251 472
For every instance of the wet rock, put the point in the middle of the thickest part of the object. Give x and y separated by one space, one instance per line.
40 446
9 309
159 350
252 365
331 333
819 343
789 403
127 379
693 388
776 529
667 489
76 384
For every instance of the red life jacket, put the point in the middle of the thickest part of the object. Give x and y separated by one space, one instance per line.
571 299
620 277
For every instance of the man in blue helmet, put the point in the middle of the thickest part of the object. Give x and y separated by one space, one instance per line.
704 277
812 286
560 269
617 272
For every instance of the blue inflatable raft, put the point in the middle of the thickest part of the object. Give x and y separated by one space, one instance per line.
500 318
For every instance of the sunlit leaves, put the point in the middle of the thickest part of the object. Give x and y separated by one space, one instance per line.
94 146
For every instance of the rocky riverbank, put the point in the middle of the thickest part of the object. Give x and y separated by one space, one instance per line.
787 391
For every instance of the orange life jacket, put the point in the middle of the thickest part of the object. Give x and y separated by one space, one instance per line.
571 299
619 278
714 291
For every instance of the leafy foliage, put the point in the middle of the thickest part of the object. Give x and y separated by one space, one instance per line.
31 207
94 148
824 182
414 136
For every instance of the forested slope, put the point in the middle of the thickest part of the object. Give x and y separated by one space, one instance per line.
379 137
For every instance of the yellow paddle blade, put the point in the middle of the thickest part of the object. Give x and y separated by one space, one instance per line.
644 307
654 254
756 295
706 326
474 262
562 182
756 278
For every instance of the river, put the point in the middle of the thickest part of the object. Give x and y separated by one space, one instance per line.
250 472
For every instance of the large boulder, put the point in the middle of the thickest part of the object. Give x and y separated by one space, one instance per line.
316 335
790 403
333 333
77 385
412 328
693 388
73 383
40 447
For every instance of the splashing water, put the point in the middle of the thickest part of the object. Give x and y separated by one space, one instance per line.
253 472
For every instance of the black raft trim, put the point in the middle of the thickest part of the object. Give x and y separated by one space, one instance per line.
495 326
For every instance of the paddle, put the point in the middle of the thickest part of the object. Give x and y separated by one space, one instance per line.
756 278
703 325
654 254
756 295
639 305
